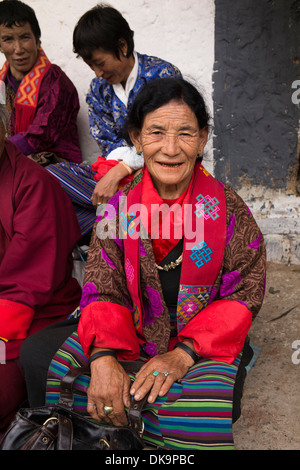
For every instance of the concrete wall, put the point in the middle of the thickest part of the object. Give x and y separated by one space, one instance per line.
256 121
256 111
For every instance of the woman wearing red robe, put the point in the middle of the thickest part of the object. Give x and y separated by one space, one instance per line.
38 230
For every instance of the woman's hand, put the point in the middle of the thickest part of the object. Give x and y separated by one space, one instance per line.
108 185
171 366
109 386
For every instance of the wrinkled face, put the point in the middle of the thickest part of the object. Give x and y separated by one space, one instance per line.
170 140
20 48
106 65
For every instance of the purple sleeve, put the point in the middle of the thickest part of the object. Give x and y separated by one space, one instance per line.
54 127
21 142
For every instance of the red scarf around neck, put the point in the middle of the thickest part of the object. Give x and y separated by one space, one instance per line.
165 221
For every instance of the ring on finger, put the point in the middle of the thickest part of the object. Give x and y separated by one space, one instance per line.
156 373
92 404
108 410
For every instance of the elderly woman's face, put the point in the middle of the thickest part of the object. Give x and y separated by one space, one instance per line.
170 140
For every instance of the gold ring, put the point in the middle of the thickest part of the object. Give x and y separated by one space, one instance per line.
99 203
108 410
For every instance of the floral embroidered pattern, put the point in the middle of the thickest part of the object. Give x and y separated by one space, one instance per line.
89 294
230 229
155 302
229 281
255 243
107 259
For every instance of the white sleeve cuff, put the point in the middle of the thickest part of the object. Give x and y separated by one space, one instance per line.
128 155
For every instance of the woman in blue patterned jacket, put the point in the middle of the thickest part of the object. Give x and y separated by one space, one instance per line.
104 40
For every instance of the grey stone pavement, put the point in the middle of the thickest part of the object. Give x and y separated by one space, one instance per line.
270 417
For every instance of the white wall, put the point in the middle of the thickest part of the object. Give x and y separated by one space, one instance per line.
181 32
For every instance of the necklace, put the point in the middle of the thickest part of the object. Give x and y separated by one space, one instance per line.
171 265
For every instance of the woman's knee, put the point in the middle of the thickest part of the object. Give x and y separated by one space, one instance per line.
30 350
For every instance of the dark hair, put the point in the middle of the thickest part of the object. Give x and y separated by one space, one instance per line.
16 13
161 91
102 27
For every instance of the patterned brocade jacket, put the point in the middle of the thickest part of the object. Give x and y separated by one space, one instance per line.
218 330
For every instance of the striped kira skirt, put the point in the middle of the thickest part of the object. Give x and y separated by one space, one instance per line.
196 414
79 183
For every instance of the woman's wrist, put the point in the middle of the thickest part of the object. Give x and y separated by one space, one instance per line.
121 170
117 172
127 168
188 350
102 353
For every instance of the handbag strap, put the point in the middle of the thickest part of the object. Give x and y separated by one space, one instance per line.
57 428
66 398
134 412
65 433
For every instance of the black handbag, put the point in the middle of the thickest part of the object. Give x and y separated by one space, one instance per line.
58 427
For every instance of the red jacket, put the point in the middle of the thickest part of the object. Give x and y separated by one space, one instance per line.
38 230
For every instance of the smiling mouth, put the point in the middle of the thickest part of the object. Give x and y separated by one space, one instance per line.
170 165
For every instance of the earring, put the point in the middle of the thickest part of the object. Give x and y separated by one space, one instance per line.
200 156
139 153
124 54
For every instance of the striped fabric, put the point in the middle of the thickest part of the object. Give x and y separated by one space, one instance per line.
196 414
79 183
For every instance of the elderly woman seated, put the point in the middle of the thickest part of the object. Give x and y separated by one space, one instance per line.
175 276
41 100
